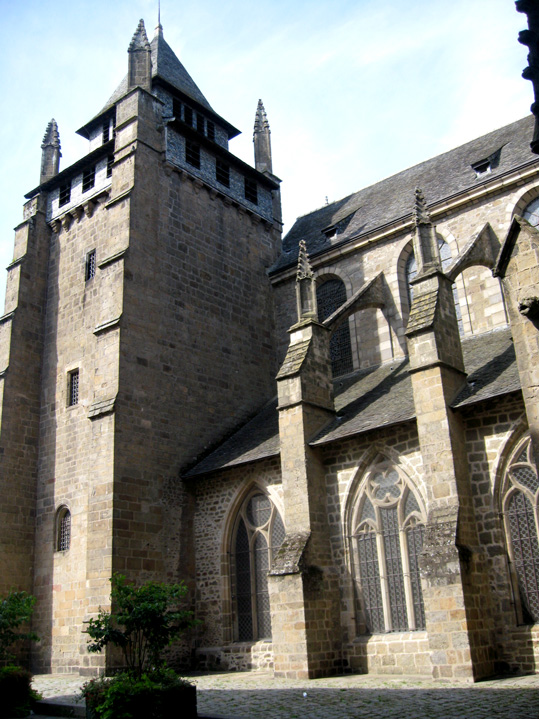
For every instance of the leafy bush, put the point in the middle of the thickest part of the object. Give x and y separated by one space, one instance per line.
15 609
148 696
16 691
143 622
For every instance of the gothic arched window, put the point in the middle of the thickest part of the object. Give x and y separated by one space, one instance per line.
330 295
531 212
259 532
411 272
63 529
520 507
387 538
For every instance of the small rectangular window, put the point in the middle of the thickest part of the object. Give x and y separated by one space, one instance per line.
65 194
106 131
192 153
90 265
176 108
201 123
222 173
188 115
110 161
251 192
88 179
73 388
210 130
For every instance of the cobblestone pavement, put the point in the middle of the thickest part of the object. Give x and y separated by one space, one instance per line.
256 695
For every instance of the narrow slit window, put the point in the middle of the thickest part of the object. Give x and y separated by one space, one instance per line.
201 123
90 265
251 191
192 154
188 115
63 529
88 179
65 194
110 161
106 131
73 388
210 130
222 173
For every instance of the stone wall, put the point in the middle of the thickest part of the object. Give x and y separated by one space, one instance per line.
378 335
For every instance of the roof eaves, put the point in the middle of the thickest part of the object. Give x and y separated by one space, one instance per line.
93 156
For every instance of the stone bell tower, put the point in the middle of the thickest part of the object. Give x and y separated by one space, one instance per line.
132 343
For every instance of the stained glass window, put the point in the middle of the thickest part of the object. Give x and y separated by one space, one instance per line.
259 533
330 296
520 510
387 539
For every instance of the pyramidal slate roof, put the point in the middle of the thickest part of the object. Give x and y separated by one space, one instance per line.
165 66
392 199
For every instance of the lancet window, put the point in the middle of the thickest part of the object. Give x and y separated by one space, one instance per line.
520 508
330 295
259 532
386 541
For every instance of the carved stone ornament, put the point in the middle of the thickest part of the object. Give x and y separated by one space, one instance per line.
529 307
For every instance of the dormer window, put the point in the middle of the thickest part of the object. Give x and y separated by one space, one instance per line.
65 194
487 164
482 168
88 179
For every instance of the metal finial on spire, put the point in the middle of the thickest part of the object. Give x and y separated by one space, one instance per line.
159 28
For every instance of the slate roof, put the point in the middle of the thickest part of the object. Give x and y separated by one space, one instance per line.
374 398
392 199
165 65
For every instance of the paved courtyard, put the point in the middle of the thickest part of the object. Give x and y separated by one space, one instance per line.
254 695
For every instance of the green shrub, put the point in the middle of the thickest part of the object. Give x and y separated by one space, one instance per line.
148 696
15 609
17 695
143 622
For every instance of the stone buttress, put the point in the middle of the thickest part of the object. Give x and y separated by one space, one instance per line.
455 590
303 583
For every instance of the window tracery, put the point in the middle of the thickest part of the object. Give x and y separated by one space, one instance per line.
330 295
520 508
387 539
259 532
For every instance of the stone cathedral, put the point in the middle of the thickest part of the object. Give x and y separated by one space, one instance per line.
332 438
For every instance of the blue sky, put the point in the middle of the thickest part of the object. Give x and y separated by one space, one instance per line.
354 90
